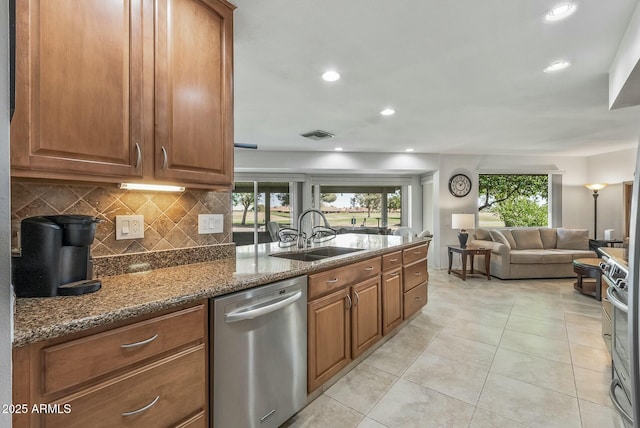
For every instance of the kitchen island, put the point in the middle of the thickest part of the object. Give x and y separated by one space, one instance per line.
148 332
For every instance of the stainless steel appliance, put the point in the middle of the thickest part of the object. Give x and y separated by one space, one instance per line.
632 291
615 274
259 355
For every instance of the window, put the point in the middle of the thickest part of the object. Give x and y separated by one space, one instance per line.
272 203
513 200
361 206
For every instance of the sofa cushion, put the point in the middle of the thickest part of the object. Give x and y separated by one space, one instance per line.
497 236
573 239
526 256
549 237
557 257
583 254
507 234
527 239
483 234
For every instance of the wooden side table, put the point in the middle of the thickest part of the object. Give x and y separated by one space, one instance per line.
589 268
470 252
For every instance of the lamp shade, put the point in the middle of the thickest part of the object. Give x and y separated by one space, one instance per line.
463 221
596 186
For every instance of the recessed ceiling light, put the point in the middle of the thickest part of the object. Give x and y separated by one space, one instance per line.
560 12
388 112
331 76
556 66
409 150
338 149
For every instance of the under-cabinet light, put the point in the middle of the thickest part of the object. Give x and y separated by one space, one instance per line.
151 187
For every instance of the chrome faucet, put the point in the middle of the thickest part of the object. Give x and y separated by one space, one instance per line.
302 243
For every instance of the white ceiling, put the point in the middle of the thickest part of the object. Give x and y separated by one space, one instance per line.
465 76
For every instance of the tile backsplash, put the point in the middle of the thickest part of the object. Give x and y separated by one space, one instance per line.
171 219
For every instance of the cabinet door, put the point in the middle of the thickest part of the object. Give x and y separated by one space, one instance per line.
391 300
194 108
366 315
78 89
329 337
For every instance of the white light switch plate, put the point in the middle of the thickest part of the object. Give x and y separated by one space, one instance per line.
210 223
129 227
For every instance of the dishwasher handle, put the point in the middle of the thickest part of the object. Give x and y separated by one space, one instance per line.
243 314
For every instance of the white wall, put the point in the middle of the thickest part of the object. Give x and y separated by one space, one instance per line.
613 168
6 315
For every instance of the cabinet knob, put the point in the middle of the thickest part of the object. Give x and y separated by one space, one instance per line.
165 159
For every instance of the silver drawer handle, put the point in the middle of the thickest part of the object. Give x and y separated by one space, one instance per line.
369 268
418 298
165 159
139 155
394 274
332 281
417 252
393 260
143 409
350 302
144 342
417 273
357 300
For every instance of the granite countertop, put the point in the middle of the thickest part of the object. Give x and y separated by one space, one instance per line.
130 295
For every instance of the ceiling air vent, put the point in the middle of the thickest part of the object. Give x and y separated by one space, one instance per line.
318 134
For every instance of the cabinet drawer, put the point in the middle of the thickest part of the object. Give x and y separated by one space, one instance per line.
334 279
391 261
410 255
414 300
176 385
81 360
415 274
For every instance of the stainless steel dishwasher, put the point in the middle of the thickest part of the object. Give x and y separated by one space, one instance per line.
259 355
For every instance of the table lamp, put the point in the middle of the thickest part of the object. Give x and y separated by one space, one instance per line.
463 222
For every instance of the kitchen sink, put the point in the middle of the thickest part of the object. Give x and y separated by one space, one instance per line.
317 253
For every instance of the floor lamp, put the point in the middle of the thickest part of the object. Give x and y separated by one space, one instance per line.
595 187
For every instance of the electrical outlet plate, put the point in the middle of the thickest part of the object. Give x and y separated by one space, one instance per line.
210 223
129 227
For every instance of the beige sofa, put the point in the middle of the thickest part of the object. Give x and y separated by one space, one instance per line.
532 253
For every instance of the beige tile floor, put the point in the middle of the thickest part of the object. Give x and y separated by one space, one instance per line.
481 354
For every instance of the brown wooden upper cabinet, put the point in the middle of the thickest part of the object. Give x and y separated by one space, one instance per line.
113 91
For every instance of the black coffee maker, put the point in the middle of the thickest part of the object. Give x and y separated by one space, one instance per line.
55 259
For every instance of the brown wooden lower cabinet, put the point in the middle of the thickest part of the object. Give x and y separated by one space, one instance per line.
366 315
415 299
392 300
161 394
329 337
150 372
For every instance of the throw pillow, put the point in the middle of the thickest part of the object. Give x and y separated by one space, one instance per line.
549 237
573 239
483 234
527 239
497 236
507 234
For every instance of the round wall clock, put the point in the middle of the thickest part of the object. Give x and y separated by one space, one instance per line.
459 185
